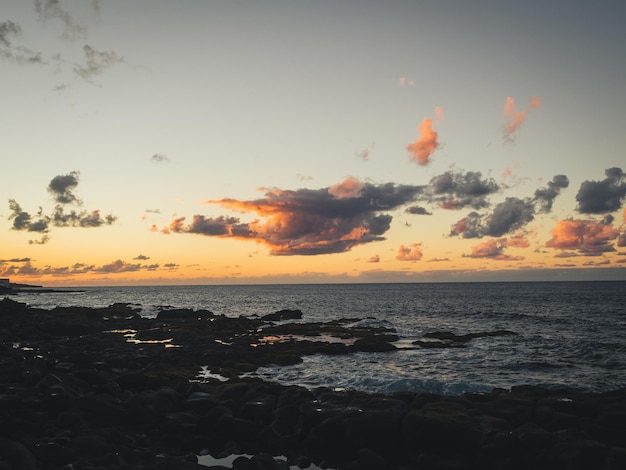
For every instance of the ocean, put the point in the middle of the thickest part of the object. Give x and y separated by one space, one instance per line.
567 334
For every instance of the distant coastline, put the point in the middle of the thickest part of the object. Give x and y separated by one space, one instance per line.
12 288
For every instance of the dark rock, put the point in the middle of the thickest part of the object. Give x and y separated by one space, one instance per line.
285 314
375 343
184 314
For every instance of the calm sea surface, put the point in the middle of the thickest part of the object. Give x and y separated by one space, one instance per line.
567 333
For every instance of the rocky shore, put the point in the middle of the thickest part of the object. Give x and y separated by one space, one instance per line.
85 388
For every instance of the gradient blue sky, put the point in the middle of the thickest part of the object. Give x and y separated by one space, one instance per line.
149 110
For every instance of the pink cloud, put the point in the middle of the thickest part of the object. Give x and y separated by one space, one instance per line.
421 150
374 259
410 253
492 249
588 237
515 117
348 188
519 240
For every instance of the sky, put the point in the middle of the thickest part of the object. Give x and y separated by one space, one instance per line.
294 141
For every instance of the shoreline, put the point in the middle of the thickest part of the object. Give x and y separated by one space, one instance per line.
105 398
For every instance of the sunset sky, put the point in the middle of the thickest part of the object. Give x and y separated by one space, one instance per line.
201 142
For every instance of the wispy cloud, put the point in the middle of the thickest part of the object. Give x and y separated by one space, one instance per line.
48 10
96 62
159 158
492 249
516 118
11 52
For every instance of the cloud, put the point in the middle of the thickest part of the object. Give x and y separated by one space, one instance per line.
60 218
117 266
159 158
515 117
52 10
545 196
410 253
456 190
365 153
421 150
507 216
418 210
61 187
308 221
374 259
348 188
510 215
587 237
599 197
141 258
518 240
15 260
22 220
403 81
11 52
96 62
492 249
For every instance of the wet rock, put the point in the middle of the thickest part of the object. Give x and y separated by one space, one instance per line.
447 339
94 401
184 314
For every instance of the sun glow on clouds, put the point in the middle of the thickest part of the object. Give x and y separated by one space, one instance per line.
307 221
421 150
515 117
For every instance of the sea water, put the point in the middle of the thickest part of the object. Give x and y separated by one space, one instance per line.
567 334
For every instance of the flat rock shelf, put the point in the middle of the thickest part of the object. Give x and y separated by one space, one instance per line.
84 388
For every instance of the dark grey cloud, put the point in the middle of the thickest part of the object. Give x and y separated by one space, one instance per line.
96 62
456 190
598 197
22 220
510 215
12 52
141 258
418 210
61 188
61 218
308 221
545 196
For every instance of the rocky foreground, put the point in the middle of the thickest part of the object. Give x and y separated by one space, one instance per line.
106 389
